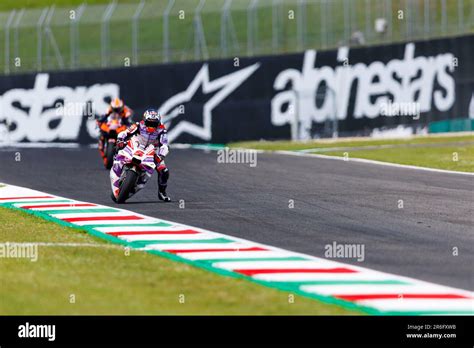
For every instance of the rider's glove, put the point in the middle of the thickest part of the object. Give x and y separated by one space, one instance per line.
158 159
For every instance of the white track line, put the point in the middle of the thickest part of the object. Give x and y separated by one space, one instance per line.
366 161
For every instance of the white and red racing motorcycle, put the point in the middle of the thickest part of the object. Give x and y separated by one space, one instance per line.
133 166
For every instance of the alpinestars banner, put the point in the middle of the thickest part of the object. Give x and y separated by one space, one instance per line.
358 91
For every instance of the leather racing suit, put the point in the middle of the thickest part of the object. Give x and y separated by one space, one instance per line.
159 139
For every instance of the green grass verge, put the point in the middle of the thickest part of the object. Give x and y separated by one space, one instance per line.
350 142
439 157
452 152
107 281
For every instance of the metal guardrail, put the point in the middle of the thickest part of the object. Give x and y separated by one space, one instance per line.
155 31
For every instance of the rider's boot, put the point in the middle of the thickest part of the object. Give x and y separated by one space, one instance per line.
163 175
162 196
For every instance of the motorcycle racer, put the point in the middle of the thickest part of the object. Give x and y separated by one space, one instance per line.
116 108
150 130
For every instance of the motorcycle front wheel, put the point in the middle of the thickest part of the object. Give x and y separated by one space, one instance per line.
127 185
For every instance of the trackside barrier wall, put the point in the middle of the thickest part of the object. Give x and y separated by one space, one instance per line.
358 91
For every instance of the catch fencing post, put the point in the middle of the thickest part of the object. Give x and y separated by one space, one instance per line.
105 33
444 17
16 34
74 33
7 41
427 18
50 35
250 27
39 30
389 20
166 36
224 20
472 13
301 24
368 23
276 25
353 17
416 17
460 15
323 15
227 26
347 21
408 16
135 18
200 47
45 53
330 21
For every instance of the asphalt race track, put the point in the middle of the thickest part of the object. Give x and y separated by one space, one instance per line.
345 202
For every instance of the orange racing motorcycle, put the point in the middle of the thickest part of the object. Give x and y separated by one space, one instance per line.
109 129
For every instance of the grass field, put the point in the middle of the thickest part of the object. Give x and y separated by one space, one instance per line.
181 29
104 280
451 152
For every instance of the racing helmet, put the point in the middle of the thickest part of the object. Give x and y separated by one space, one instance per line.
151 119
117 105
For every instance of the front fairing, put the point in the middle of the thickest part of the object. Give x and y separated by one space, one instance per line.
143 155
